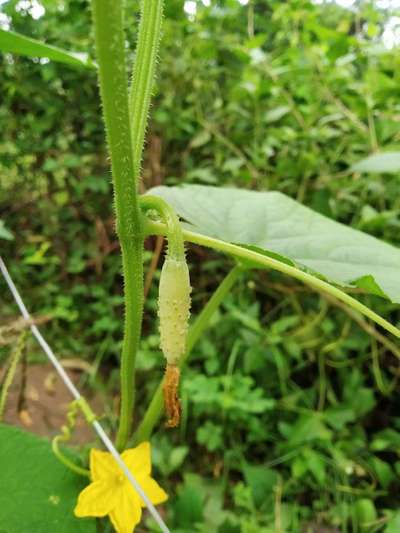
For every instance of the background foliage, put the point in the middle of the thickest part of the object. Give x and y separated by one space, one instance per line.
291 410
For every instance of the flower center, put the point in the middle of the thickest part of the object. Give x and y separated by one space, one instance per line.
120 478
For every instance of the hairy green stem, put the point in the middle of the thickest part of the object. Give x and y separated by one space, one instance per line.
143 73
264 261
176 246
110 48
155 408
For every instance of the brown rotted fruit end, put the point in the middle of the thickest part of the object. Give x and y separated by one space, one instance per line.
171 401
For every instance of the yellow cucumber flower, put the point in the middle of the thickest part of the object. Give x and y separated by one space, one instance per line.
110 492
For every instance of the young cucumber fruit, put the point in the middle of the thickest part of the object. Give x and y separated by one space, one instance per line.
174 308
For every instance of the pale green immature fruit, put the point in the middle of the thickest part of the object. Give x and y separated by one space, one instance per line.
174 309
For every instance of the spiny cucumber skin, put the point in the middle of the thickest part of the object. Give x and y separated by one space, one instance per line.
174 309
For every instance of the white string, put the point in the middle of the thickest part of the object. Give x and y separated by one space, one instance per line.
75 393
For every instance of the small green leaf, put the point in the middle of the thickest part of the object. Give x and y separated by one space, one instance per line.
338 416
309 427
202 138
37 492
364 513
262 481
383 471
16 43
393 526
315 464
5 233
210 435
177 457
377 163
277 113
189 503
38 257
387 439
298 467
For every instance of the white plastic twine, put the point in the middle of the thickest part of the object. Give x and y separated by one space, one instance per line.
75 393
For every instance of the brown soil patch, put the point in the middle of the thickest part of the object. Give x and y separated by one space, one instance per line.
46 402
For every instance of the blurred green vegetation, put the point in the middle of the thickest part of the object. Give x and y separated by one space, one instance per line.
290 406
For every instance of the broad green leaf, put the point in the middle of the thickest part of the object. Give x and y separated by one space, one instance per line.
16 43
37 492
377 163
282 228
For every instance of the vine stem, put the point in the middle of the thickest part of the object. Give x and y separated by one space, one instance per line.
125 121
110 48
67 462
264 261
155 408
176 248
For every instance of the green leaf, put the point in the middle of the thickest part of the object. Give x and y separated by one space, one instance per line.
383 471
210 435
282 228
309 427
387 439
377 163
338 416
316 464
393 526
202 138
16 43
5 233
277 113
262 481
37 492
189 503
364 513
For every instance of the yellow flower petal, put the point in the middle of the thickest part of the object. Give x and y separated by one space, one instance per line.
127 513
102 465
112 494
153 491
96 500
138 459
